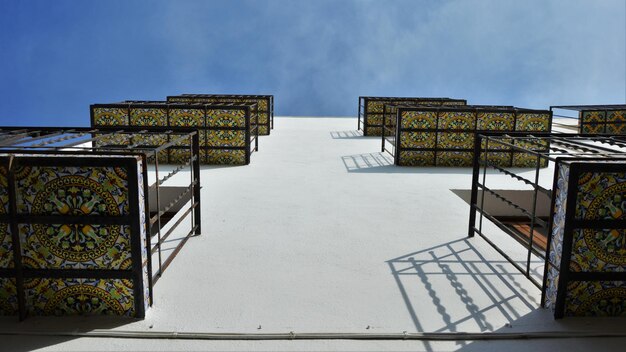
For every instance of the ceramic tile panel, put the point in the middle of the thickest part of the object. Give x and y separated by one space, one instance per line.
418 139
110 116
148 116
226 156
593 128
457 120
495 121
226 138
598 250
454 158
615 128
225 118
82 191
417 158
455 140
8 296
617 116
375 106
374 131
551 288
6 248
77 296
419 119
180 117
595 299
592 116
557 234
4 191
601 195
374 119
532 122
502 159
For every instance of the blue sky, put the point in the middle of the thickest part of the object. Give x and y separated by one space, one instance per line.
316 57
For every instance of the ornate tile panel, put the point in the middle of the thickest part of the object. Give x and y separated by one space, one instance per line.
417 158
72 190
4 190
557 233
598 250
615 128
226 156
148 117
533 122
596 298
8 296
601 195
83 191
592 129
6 247
375 106
496 121
456 120
187 117
454 140
374 131
226 138
226 118
79 297
616 116
526 160
374 119
453 158
419 119
592 116
502 159
110 116
417 139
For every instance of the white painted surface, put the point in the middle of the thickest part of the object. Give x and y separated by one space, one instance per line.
305 238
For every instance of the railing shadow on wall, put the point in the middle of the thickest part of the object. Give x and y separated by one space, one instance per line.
351 134
383 163
452 287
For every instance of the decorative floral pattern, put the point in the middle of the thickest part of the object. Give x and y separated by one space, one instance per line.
418 119
615 128
557 233
592 116
70 191
8 296
501 159
457 120
226 156
532 122
452 158
596 298
599 250
110 116
187 117
148 117
601 196
374 120
454 140
375 106
417 139
225 118
456 133
80 297
417 158
226 138
76 191
495 121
